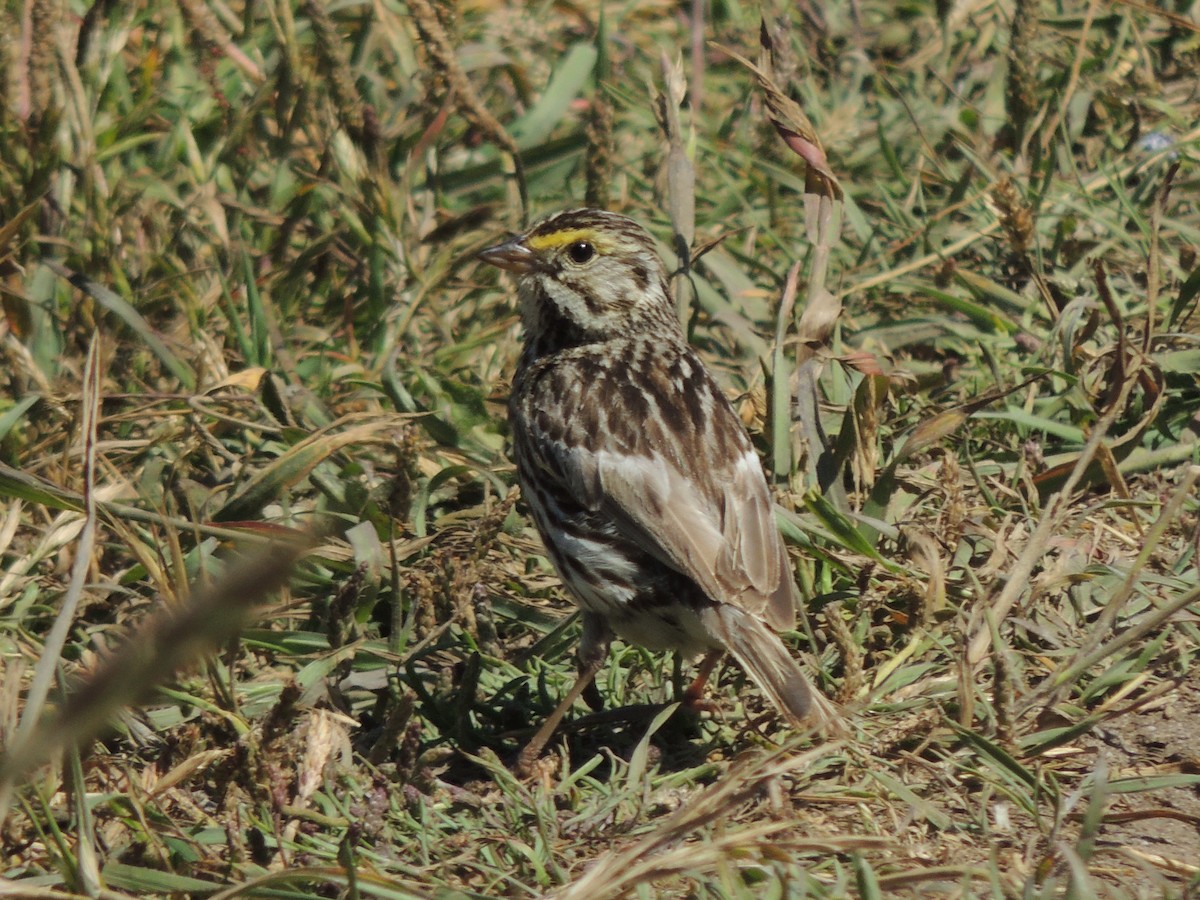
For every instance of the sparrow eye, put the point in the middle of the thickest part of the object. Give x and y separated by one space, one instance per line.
581 252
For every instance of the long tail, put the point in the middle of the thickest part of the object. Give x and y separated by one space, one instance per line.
764 657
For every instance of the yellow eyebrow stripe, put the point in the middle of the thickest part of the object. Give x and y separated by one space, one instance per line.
561 238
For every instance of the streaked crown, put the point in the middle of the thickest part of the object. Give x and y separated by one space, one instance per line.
587 275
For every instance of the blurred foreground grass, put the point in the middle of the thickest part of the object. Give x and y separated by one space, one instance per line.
263 219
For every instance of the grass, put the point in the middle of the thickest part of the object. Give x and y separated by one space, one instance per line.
273 621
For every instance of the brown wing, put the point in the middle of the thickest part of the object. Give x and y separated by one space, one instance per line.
721 535
677 473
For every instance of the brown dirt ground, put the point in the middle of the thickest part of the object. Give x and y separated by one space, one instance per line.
1151 840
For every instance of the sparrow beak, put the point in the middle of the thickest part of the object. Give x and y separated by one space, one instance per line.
512 256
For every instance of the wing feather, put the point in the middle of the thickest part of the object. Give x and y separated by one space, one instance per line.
727 543
697 501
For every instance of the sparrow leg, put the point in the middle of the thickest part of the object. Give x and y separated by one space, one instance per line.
593 650
693 697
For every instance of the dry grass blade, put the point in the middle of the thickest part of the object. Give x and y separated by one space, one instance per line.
681 179
666 850
1090 655
934 429
784 455
1178 866
171 639
22 485
50 659
1167 518
1025 24
1051 521
296 464
790 120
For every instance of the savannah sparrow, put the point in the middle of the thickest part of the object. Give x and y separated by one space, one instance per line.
643 484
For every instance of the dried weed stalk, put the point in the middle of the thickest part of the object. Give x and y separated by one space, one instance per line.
599 167
851 653
1020 83
334 68
680 179
1016 217
39 60
215 37
466 100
